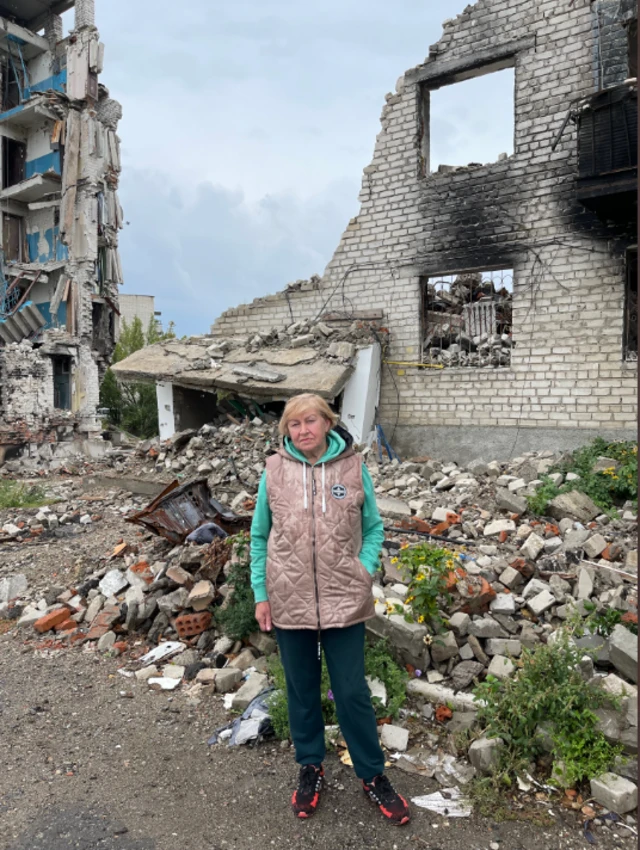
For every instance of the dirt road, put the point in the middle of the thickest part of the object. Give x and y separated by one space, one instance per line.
93 760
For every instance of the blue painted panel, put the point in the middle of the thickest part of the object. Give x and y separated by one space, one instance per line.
11 112
45 309
57 251
58 82
42 164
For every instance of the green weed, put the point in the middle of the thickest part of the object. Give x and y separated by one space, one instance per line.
548 687
16 495
237 619
426 568
609 488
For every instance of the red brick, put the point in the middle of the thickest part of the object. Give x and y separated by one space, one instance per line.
189 625
629 617
102 623
51 620
525 569
143 570
67 625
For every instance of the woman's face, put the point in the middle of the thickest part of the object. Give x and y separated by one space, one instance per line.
308 432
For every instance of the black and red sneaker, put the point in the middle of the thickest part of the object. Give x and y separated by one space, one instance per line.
306 796
391 804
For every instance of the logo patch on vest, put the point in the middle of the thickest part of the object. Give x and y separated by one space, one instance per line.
338 491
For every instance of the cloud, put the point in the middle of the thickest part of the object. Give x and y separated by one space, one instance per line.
204 252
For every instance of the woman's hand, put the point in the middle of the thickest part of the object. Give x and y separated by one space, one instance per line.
263 616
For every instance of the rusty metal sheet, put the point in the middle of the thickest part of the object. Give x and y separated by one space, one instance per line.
181 508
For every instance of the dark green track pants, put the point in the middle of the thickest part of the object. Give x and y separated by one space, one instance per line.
344 652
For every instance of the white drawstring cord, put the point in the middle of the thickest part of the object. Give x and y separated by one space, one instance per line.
304 485
324 501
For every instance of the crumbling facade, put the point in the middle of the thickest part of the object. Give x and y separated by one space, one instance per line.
59 266
510 288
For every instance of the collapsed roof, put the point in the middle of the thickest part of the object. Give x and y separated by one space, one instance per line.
316 358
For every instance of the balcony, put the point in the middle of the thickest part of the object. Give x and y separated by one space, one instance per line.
608 151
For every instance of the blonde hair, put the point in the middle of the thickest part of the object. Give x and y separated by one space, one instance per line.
299 404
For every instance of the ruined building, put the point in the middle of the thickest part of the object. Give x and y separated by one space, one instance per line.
59 265
509 288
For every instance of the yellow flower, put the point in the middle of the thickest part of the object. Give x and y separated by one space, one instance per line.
394 560
409 599
404 546
420 577
421 618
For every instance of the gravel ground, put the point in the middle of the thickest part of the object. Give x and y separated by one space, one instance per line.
93 760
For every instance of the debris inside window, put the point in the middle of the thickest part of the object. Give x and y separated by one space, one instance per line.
466 319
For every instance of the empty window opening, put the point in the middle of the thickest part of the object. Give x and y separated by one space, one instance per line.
13 162
631 307
469 123
466 319
62 383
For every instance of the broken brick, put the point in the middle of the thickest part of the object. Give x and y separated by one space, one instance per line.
525 569
51 620
103 622
189 625
143 570
66 625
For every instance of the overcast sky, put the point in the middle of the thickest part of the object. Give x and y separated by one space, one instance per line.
246 128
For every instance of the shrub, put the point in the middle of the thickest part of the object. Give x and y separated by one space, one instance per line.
237 618
548 687
608 488
426 568
379 664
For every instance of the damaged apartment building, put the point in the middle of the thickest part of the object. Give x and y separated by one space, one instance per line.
508 288
59 264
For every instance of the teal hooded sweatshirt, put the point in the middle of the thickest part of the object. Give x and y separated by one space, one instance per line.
372 527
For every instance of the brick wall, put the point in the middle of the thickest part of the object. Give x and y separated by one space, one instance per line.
610 20
567 370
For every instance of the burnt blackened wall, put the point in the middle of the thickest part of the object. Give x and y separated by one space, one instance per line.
568 379
611 19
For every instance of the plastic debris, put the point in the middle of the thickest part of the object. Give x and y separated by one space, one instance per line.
449 802
163 650
253 725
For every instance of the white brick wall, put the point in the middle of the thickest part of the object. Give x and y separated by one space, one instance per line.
567 369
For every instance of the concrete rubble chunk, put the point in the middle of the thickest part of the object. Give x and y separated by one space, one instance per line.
594 546
532 547
486 627
501 667
394 508
12 587
504 603
263 643
506 500
443 647
464 673
541 602
623 652
227 679
441 695
533 587
615 793
254 685
459 623
113 583
484 754
501 646
511 578
341 349
498 526
395 738
201 595
575 505
584 585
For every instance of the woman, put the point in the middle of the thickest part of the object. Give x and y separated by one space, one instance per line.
315 543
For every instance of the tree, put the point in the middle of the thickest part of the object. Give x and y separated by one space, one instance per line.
133 407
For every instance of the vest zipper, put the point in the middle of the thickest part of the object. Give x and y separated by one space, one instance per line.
313 552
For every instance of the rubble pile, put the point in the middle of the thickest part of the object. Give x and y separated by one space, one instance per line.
518 580
467 324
